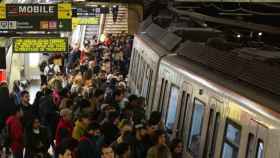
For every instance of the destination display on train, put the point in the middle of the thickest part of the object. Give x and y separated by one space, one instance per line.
36 17
40 45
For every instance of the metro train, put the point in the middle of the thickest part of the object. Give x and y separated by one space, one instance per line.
215 114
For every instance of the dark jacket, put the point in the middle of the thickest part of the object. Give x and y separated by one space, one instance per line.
110 132
139 149
36 143
48 113
7 106
28 114
89 147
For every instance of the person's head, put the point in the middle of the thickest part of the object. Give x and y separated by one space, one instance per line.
25 97
151 128
119 95
122 150
107 152
64 150
99 94
133 100
85 119
162 151
35 123
94 129
114 117
126 127
141 102
159 137
140 131
66 114
176 146
155 118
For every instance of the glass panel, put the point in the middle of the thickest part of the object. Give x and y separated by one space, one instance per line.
209 133
182 110
172 108
260 152
229 151
233 134
163 96
161 93
149 85
250 146
196 127
146 83
215 135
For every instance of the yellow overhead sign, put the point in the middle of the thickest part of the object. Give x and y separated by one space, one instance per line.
40 45
2 11
84 21
64 11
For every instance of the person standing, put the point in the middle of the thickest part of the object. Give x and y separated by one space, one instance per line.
37 140
16 133
26 108
65 126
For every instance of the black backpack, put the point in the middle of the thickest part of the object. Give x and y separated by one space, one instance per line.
51 71
5 140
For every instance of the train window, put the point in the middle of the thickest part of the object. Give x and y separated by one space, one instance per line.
194 140
209 133
132 63
260 149
250 146
160 93
231 140
215 135
182 110
185 110
149 85
146 81
136 67
139 72
163 96
172 108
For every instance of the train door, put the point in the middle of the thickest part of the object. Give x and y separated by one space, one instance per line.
257 140
214 119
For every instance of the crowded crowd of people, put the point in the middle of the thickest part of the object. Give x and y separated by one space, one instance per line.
83 109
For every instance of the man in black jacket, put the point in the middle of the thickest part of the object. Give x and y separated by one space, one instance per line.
90 144
26 108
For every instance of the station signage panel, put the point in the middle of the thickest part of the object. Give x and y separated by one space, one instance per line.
36 17
89 11
84 21
40 45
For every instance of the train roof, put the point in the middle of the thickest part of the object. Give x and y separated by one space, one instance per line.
235 89
192 61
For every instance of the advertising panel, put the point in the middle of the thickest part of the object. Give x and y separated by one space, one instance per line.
36 17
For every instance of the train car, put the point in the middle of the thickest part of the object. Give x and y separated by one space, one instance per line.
214 113
145 57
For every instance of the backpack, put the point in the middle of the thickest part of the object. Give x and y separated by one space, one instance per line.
51 71
5 140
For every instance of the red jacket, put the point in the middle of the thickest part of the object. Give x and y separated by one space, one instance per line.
16 133
65 125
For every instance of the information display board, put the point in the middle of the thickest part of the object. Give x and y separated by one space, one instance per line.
36 17
90 11
84 21
40 45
